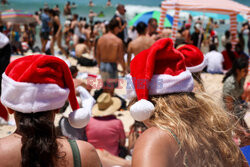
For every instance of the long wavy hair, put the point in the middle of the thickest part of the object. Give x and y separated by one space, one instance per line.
202 127
39 145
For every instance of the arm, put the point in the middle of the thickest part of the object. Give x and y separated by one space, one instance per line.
97 55
229 103
121 57
155 147
129 57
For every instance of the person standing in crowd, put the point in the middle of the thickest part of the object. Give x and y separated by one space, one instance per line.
197 36
92 15
172 109
35 142
152 29
57 9
57 33
91 3
186 34
67 10
76 27
229 57
108 4
233 88
226 38
141 43
120 16
109 53
45 30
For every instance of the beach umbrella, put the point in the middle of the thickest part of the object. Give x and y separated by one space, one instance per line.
145 16
17 17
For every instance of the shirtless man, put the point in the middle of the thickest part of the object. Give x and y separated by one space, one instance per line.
109 53
67 9
141 43
152 29
81 48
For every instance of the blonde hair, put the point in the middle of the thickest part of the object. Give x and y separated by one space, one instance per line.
202 127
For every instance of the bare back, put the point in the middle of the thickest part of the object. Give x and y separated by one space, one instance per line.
139 44
81 49
10 152
109 48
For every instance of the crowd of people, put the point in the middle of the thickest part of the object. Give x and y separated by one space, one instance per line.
176 122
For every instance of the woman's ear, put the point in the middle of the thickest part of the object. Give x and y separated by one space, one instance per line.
10 111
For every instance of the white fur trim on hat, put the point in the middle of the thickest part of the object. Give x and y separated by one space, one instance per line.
142 110
164 84
199 67
30 98
79 118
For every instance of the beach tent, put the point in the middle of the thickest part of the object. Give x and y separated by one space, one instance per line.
227 7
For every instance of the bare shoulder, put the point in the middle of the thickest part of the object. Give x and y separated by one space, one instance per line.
89 155
10 150
155 147
155 135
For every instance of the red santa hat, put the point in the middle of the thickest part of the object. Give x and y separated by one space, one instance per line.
194 59
156 71
41 83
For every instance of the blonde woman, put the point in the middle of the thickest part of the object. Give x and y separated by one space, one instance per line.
184 128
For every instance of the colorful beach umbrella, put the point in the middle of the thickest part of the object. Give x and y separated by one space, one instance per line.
17 16
145 16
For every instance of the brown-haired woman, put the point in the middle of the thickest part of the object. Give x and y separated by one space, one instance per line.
184 128
34 88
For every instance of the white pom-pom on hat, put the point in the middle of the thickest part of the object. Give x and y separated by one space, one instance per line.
79 118
142 110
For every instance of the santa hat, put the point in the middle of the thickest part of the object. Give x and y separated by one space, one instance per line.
39 83
156 71
194 59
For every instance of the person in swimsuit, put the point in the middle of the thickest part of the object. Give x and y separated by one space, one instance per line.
35 141
184 128
56 33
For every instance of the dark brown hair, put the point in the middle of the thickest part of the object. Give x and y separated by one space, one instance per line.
39 145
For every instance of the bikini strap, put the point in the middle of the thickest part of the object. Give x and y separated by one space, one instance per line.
76 153
174 136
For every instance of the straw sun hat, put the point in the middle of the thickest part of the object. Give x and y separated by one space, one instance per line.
106 105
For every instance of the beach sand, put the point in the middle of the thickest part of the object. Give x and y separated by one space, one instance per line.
212 84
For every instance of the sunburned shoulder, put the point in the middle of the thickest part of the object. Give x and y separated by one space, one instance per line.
155 146
156 134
